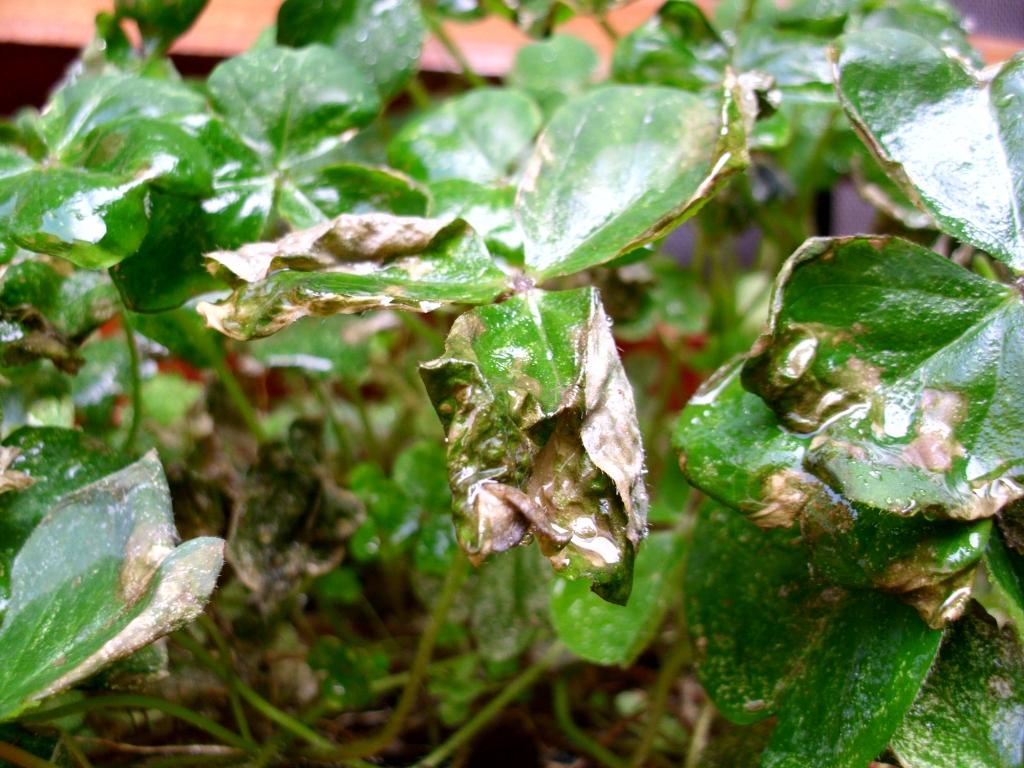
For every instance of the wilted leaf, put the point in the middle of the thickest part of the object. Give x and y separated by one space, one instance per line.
350 264
98 579
971 119
542 435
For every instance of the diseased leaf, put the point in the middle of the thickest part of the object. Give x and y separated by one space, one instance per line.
482 136
350 264
616 634
618 167
838 669
383 37
905 366
970 712
542 435
910 98
98 579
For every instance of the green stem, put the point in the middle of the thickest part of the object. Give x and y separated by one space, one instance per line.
135 381
424 650
253 699
438 30
602 21
668 674
237 396
492 709
74 750
576 735
418 93
19 757
233 679
355 396
416 323
699 737
323 394
134 701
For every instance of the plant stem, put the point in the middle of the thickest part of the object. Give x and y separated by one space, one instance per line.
492 709
19 757
699 738
225 654
438 30
237 396
135 381
418 93
576 736
424 650
668 674
323 394
74 750
607 28
252 698
135 701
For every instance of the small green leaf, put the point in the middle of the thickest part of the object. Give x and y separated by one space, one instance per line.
74 609
487 209
542 435
351 264
970 712
616 634
482 136
383 38
839 670
975 193
509 596
617 168
318 346
553 70
161 22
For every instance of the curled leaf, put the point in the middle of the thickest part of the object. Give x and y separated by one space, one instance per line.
542 435
350 264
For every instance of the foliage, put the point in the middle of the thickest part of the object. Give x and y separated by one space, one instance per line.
351 336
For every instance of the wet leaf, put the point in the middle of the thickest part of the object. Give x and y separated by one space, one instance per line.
905 365
384 38
553 70
350 264
616 634
74 609
353 188
489 210
1000 587
542 435
970 712
970 118
838 669
483 136
509 597
617 168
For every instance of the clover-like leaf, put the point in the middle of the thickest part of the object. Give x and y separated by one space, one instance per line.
620 166
97 579
553 70
974 188
161 22
542 435
482 136
350 264
488 209
971 710
838 669
383 37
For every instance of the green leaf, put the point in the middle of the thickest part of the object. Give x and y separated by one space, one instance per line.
616 634
509 595
542 435
352 188
1001 591
383 37
351 264
74 609
553 70
318 346
678 46
976 193
970 712
58 461
161 22
619 167
905 365
489 210
838 669
482 136
182 332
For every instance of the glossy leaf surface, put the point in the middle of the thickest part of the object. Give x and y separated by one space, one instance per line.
970 712
482 136
976 190
542 435
76 608
771 641
350 264
617 168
